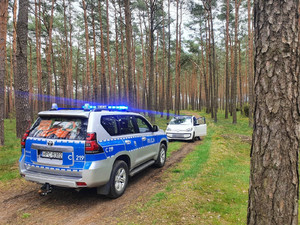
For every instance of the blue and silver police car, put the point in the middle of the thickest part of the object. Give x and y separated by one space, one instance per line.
96 146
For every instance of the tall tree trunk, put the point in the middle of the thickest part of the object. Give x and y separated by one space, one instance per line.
31 100
215 85
66 58
118 70
103 75
274 176
49 52
240 77
108 53
250 65
3 30
95 72
88 97
21 78
234 94
227 61
177 76
14 50
70 69
210 68
144 66
38 54
129 51
76 76
204 71
10 98
125 80
162 97
232 75
169 84
151 65
156 74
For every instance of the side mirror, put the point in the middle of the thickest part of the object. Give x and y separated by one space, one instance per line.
155 128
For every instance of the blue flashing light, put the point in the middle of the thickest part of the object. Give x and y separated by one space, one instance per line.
105 107
54 106
117 107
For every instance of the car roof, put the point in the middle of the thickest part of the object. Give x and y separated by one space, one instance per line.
83 113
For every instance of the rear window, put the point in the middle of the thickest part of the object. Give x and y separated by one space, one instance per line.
60 128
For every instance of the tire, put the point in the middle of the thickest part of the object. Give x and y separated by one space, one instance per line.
162 156
119 179
193 138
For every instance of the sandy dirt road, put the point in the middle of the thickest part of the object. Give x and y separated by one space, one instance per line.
21 204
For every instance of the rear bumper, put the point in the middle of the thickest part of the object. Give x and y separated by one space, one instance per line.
97 174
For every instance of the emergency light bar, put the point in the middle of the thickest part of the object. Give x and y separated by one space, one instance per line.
54 106
88 107
105 107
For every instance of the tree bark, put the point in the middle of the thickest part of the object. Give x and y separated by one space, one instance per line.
108 53
250 65
169 84
3 30
274 177
129 51
234 93
95 72
87 52
21 78
227 61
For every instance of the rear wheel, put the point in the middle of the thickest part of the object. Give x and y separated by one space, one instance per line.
119 179
162 155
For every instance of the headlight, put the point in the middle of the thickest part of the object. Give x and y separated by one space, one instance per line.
189 129
168 129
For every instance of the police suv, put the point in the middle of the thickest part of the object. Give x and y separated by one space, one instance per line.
96 146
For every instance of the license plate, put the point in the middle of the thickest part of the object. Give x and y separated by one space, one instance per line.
51 155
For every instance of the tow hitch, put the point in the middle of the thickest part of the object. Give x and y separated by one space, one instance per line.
45 189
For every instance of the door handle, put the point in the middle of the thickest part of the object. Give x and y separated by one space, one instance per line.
128 142
144 139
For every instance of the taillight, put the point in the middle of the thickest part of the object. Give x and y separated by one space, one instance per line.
23 140
83 184
91 145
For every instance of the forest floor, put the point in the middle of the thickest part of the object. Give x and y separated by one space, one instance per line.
20 202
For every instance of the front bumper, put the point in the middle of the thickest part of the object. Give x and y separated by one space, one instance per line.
179 136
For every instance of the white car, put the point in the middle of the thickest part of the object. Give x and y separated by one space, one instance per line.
186 128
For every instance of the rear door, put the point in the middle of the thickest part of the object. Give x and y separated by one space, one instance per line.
56 144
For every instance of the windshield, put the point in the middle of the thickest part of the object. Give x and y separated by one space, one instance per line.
181 121
60 128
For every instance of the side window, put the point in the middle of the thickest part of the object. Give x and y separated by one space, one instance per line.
143 125
109 123
126 124
194 121
201 120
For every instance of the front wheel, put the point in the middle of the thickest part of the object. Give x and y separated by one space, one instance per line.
119 179
162 155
